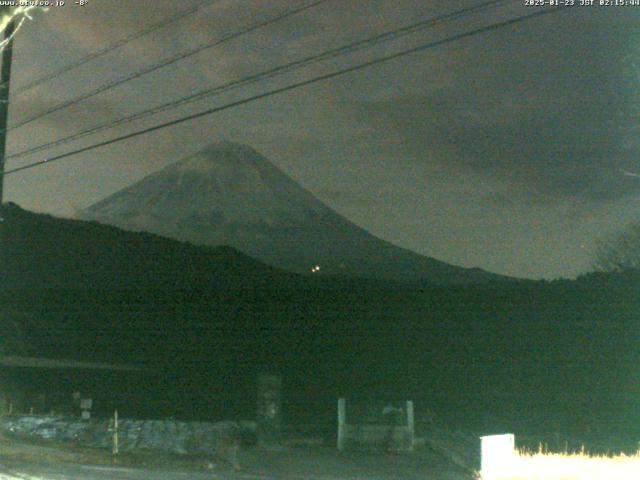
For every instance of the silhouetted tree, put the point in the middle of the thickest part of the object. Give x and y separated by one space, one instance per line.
620 252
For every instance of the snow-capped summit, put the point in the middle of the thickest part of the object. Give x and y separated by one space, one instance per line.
229 194
224 184
221 155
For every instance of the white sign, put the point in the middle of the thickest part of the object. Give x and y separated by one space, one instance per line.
498 452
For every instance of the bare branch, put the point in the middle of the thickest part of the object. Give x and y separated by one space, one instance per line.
620 252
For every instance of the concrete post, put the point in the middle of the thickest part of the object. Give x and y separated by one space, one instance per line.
115 447
342 422
410 424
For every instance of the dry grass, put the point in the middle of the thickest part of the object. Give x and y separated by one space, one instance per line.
567 466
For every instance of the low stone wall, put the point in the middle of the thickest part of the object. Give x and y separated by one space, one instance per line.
194 438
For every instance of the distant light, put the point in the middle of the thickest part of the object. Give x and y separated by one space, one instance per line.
315 269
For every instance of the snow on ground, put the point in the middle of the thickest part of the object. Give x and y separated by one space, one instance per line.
308 463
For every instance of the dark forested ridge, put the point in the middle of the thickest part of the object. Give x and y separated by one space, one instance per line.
527 356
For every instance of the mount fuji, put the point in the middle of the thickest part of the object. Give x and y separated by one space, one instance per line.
229 194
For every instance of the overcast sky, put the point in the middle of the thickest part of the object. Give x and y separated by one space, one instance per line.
502 150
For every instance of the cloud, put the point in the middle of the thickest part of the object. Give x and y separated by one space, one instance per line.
551 126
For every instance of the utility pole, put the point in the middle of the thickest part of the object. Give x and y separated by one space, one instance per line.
5 77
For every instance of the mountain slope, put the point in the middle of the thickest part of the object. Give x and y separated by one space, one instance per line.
41 251
229 194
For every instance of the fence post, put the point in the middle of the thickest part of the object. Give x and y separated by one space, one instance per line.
410 424
342 422
116 447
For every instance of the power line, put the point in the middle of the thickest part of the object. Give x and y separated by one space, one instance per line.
171 60
293 86
114 46
349 48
